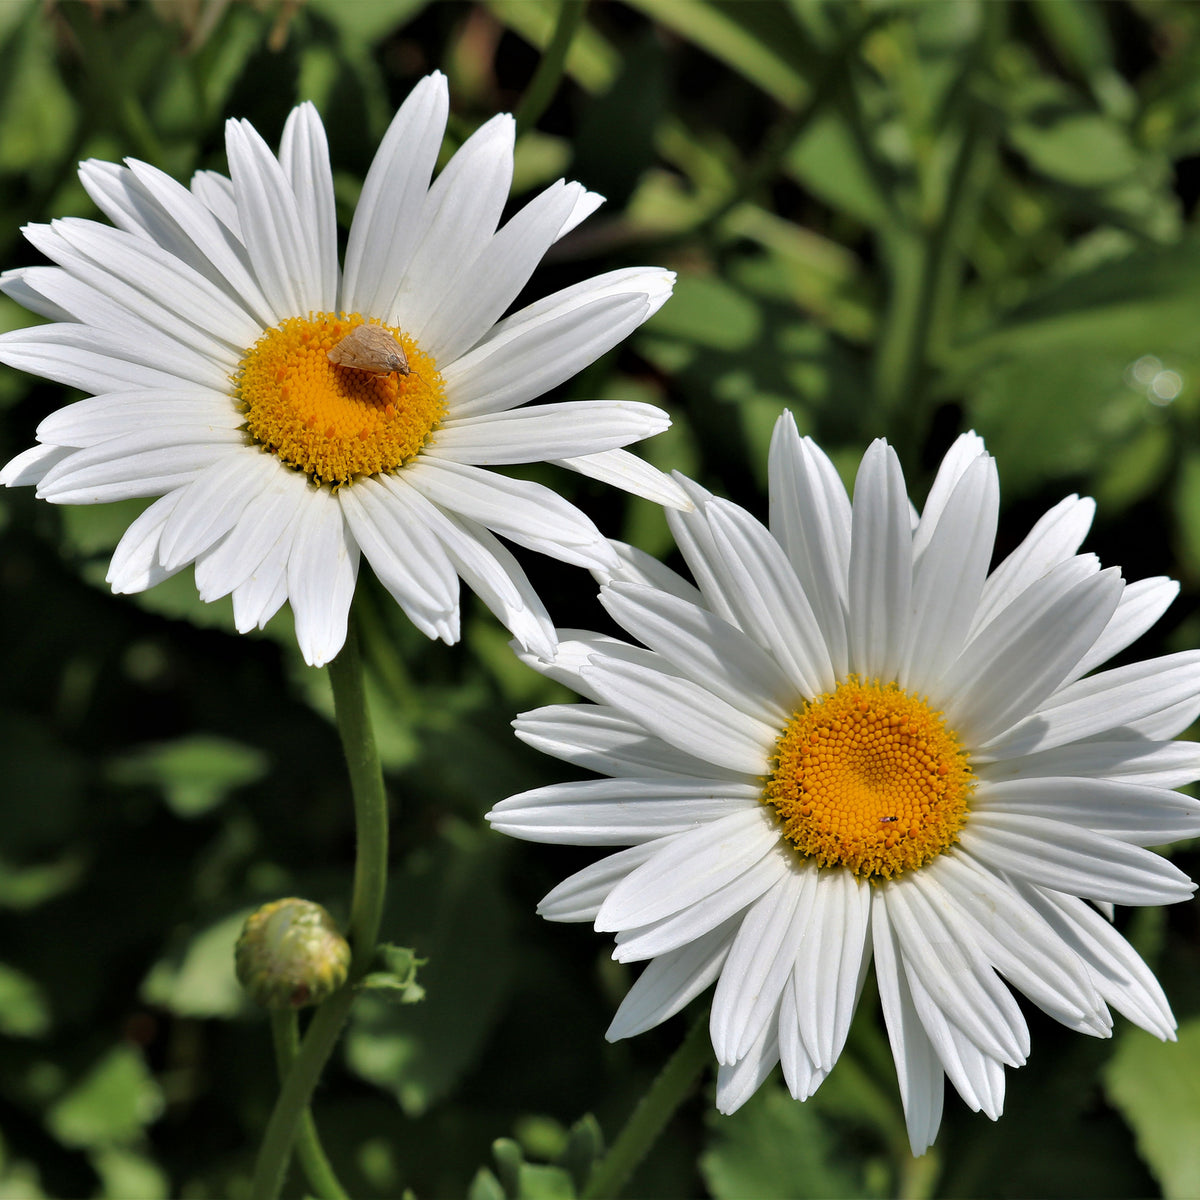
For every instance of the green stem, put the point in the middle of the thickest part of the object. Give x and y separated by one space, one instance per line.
654 1110
370 802
553 66
285 1030
366 911
291 1106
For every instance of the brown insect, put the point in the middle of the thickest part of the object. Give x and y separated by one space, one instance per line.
372 349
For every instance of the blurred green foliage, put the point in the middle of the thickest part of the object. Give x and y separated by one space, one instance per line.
893 218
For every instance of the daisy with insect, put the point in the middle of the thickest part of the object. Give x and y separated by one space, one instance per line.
849 743
290 416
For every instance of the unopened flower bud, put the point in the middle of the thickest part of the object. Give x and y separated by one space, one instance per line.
290 954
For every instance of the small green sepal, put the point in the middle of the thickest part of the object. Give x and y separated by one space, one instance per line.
395 975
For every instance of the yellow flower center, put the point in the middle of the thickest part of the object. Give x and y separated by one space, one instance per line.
331 421
869 778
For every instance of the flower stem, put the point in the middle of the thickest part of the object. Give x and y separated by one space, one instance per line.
552 67
285 1029
291 1113
370 802
673 1085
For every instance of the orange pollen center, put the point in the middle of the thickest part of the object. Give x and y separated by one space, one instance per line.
869 778
334 422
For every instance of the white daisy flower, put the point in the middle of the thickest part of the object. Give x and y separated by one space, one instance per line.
291 416
852 741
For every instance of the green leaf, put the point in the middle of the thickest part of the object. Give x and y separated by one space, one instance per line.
128 1176
195 773
198 979
775 1148
754 40
111 1105
1156 1086
24 1009
1081 149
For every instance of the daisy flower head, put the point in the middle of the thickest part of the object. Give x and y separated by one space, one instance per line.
290 415
849 741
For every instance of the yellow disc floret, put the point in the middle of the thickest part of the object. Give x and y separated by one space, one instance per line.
869 778
336 423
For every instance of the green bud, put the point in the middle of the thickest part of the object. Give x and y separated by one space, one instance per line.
290 954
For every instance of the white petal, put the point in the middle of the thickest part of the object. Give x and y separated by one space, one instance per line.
32 465
137 465
671 982
709 651
917 1068
526 513
1133 760
135 564
694 865
304 157
114 280
1055 538
1018 660
1070 859
800 1072
811 518
579 896
284 255
621 469
458 218
616 812
963 454
99 418
101 360
1142 604
183 226
685 715
546 432
262 593
495 576
1111 702
949 574
387 220
161 275
757 970
598 738
660 937
1145 816
1017 940
21 284
321 571
215 192
737 1083
831 964
761 587
575 652
265 523
539 347
1117 970
208 508
636 566
953 973
880 571
493 281
408 559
